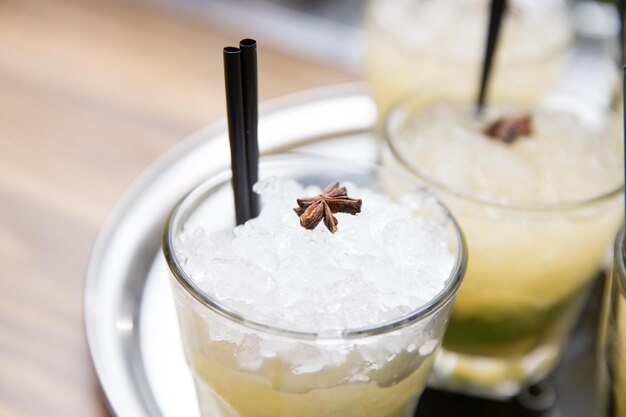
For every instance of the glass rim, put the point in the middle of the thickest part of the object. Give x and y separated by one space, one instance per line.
438 185
620 254
444 296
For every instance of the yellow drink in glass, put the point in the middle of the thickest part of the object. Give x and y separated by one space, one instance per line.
538 213
411 44
252 359
276 389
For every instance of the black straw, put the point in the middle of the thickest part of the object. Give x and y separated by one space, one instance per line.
236 130
495 19
251 116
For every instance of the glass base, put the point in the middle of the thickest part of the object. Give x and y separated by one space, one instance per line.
491 377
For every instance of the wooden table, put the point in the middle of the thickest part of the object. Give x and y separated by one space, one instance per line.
91 91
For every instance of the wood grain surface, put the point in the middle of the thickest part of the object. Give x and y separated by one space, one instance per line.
91 91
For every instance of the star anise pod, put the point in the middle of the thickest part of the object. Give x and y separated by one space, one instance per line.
333 199
509 127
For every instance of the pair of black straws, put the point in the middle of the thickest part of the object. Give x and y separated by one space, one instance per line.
240 74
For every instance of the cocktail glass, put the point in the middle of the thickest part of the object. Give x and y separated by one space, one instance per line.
613 339
531 264
411 44
246 368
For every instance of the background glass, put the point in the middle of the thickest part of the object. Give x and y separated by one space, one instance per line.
261 370
528 273
613 367
411 44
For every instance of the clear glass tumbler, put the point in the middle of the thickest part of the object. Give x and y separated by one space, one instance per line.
531 261
245 368
613 340
411 44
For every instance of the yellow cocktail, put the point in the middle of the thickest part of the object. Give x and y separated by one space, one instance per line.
539 212
278 321
411 44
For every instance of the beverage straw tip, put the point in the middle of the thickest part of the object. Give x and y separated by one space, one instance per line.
247 42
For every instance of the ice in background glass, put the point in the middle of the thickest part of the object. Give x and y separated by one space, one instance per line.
613 338
247 367
538 214
411 44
